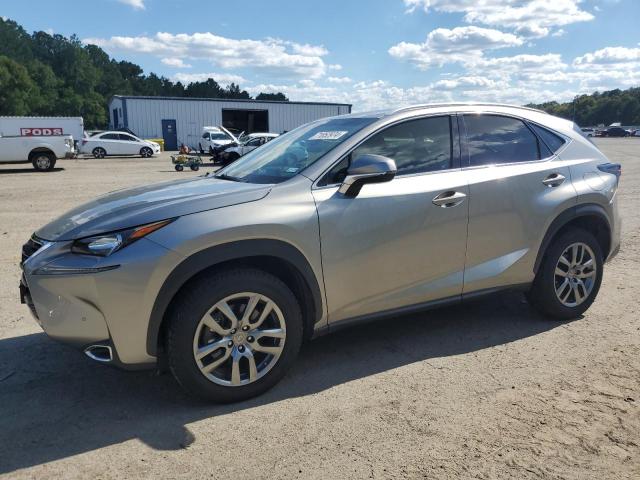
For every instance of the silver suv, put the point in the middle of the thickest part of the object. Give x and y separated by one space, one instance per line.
345 219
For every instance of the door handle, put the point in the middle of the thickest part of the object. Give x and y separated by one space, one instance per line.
449 199
554 180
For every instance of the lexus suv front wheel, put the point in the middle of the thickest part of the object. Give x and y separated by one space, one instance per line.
232 335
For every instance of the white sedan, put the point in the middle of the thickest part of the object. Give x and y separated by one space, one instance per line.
117 143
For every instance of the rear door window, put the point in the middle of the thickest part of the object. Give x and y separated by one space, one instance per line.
110 136
495 139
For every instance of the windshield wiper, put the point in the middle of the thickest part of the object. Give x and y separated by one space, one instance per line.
224 176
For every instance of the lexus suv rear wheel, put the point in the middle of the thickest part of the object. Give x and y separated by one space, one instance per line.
234 335
569 276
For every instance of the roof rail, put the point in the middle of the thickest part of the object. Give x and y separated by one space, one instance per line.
465 104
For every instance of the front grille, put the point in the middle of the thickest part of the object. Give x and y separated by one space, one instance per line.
31 247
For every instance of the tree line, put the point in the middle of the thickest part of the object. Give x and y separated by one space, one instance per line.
599 108
43 74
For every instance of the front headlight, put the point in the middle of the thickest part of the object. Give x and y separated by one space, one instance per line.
108 243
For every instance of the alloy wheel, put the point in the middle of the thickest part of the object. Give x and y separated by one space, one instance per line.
239 339
575 274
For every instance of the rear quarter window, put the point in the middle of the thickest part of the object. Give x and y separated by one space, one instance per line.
551 140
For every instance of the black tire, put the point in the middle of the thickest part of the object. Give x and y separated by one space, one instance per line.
195 168
99 152
179 168
187 311
200 149
43 161
542 295
146 152
211 152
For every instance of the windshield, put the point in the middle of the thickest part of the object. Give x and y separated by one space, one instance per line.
219 136
289 154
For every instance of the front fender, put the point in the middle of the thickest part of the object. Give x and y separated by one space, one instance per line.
218 254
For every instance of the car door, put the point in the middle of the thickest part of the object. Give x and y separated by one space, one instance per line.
517 185
399 243
251 145
205 142
110 142
129 145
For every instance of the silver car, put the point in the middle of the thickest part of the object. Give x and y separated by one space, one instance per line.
345 219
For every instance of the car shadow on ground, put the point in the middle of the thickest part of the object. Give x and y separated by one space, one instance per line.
55 403
30 169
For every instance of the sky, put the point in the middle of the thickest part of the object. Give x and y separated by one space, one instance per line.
369 53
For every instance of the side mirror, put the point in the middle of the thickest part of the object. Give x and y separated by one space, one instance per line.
367 169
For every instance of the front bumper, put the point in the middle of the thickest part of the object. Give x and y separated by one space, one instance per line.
110 307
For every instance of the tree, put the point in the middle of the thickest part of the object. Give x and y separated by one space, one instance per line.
207 89
233 91
45 74
18 92
599 108
272 96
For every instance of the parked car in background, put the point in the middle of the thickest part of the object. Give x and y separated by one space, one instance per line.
42 151
588 132
214 138
246 144
615 132
103 144
345 219
636 133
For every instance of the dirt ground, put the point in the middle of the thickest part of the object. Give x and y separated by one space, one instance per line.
485 390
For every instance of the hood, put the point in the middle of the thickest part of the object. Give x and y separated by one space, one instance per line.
136 206
233 137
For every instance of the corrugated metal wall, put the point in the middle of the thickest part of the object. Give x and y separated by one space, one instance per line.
144 115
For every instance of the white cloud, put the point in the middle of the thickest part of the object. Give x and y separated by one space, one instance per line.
471 81
339 80
308 50
608 56
283 58
175 62
460 44
530 18
519 64
136 4
222 78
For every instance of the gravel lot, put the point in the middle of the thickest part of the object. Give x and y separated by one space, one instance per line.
485 390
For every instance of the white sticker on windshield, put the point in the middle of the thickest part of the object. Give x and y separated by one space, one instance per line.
334 135
292 170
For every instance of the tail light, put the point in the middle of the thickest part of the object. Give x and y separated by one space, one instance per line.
612 168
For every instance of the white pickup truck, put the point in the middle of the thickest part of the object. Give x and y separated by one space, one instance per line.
41 151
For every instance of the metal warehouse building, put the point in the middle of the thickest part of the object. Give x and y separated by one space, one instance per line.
180 120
